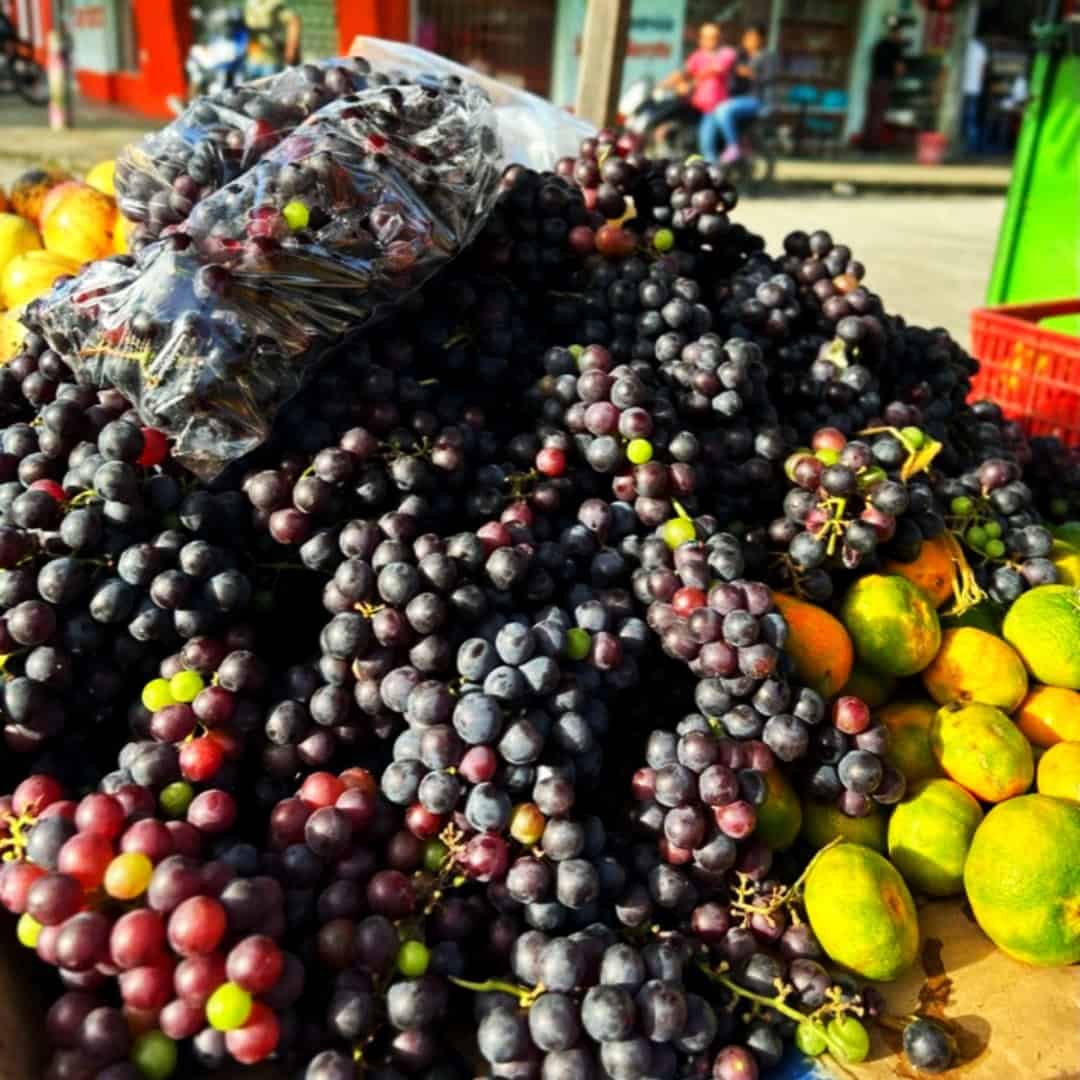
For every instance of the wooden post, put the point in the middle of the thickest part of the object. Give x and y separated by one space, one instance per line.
603 48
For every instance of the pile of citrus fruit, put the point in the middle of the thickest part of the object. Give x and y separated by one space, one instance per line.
983 718
50 224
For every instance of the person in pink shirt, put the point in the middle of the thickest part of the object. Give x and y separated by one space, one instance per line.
706 74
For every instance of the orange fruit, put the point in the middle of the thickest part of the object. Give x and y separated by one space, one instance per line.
892 624
980 748
1043 625
861 911
870 686
1022 879
817 643
3 202
930 833
1049 715
908 724
29 190
932 571
80 224
972 665
779 818
1059 772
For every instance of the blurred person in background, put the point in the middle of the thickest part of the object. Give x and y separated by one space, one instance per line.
886 66
976 57
706 75
274 43
750 92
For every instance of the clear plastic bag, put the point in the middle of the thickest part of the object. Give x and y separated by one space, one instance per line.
220 136
212 328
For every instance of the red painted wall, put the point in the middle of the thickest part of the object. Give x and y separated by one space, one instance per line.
162 40
375 18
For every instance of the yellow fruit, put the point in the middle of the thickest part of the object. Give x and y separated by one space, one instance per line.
1043 625
1049 715
17 235
30 275
823 823
55 196
972 665
870 686
932 571
11 334
908 724
121 229
929 836
1059 772
779 818
980 748
1066 559
817 643
1022 879
29 190
893 625
861 911
102 177
80 225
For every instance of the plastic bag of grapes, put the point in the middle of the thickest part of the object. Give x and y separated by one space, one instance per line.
220 136
213 327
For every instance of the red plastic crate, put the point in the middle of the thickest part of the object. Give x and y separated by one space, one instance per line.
1031 372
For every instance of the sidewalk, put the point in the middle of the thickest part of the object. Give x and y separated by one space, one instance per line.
895 176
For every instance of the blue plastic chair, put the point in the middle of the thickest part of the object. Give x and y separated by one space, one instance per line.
802 96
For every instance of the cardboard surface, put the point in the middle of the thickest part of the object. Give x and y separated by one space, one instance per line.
1011 1021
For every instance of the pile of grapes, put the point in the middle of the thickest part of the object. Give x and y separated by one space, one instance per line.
437 739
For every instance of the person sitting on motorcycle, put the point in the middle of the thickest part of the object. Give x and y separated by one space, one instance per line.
755 71
275 37
705 74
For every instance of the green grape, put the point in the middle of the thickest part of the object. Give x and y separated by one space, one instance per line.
157 695
639 451
848 1040
435 852
961 505
827 456
27 930
578 643
993 530
664 240
413 958
185 685
228 1007
154 1055
176 797
913 436
810 1039
871 476
296 214
575 351
678 531
995 549
976 537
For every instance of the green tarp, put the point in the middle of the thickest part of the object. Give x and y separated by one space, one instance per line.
1038 254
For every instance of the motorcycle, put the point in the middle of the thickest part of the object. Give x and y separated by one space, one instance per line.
667 125
217 61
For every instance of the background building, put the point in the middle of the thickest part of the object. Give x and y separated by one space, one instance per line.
131 52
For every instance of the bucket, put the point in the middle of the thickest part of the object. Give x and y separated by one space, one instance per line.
930 147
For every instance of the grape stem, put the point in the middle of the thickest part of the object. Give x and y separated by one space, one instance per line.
777 1004
525 997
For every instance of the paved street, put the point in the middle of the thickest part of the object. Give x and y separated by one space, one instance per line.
928 257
